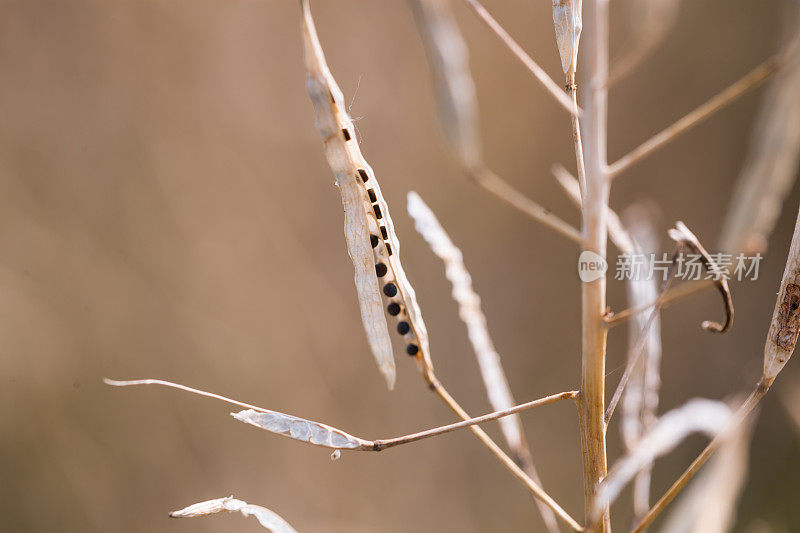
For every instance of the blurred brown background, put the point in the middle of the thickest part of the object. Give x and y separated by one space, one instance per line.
166 211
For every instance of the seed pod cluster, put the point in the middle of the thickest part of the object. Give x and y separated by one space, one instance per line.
372 243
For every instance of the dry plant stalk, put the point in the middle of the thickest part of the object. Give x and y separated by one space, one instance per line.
265 517
771 166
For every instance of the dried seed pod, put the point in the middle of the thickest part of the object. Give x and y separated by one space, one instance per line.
568 20
269 519
785 325
369 231
299 429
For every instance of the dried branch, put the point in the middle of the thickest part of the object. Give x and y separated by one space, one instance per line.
772 161
537 71
616 231
697 415
751 80
668 298
326 436
265 517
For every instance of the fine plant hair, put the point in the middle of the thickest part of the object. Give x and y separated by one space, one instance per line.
392 316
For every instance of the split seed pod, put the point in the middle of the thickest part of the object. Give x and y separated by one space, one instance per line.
372 243
568 20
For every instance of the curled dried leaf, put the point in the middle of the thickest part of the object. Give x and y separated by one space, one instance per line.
682 234
265 517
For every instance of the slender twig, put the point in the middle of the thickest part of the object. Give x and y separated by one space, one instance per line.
572 89
669 297
513 467
500 188
379 444
595 214
538 72
751 80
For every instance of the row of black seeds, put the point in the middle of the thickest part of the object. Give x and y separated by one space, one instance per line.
390 289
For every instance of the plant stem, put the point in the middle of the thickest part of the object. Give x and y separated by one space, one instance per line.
595 205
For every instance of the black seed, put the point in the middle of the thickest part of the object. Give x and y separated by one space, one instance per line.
393 309
374 240
380 270
403 327
346 134
377 210
372 197
363 174
390 289
384 233
412 349
388 249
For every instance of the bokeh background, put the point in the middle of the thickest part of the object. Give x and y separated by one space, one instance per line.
166 211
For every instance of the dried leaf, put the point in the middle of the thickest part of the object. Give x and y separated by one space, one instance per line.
697 415
568 21
300 429
369 231
682 234
265 517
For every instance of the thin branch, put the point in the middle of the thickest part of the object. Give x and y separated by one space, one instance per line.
368 445
329 437
494 184
751 80
669 297
538 72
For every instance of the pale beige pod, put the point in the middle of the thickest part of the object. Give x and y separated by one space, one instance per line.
371 240
785 325
568 21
